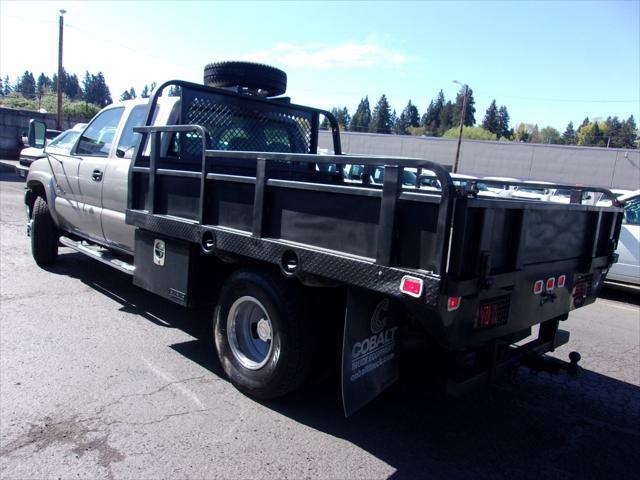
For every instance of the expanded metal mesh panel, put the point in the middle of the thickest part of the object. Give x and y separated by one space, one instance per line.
244 125
498 312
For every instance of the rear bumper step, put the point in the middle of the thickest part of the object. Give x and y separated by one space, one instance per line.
103 256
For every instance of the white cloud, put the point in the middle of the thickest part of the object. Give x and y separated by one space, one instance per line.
323 56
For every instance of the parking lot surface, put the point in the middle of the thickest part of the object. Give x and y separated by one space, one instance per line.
100 379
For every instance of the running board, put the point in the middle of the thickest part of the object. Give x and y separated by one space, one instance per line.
104 256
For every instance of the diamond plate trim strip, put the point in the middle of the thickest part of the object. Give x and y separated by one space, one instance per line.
349 270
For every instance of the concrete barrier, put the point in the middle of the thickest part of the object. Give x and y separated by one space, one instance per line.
14 124
602 167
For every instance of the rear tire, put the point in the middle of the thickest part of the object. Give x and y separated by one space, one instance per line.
263 334
44 235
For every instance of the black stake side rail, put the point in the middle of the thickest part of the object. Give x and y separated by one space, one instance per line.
390 194
555 186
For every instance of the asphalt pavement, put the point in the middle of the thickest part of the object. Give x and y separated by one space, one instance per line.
100 379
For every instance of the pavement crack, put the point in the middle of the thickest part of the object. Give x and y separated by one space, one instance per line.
102 409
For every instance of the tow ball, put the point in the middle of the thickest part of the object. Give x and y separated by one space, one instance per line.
552 365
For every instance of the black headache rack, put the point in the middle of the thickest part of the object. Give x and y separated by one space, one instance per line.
295 210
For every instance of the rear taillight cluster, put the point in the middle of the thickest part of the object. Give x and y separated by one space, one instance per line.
549 284
582 289
493 312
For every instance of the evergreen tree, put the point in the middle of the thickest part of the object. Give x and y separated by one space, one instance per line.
7 90
411 114
503 123
409 117
71 87
584 123
174 91
87 87
125 95
393 119
446 118
26 85
431 119
628 135
145 91
103 90
401 124
470 111
43 84
342 116
54 81
1 88
381 118
96 90
491 121
596 135
362 118
132 92
569 135
614 127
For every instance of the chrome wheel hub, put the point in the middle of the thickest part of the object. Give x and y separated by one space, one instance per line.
250 332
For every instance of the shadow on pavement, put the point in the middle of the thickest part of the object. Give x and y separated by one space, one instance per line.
8 176
529 426
619 294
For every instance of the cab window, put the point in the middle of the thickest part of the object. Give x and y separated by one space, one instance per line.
98 137
129 138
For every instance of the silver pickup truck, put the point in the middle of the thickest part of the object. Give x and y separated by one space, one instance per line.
218 196
86 188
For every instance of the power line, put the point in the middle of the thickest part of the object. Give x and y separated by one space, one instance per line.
131 49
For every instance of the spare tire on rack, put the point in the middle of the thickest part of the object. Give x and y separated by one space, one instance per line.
259 79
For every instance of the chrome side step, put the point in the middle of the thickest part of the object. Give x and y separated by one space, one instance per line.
103 256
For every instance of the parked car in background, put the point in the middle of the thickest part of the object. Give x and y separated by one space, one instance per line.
505 190
627 270
533 192
60 143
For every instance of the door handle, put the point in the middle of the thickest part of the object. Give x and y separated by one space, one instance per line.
96 176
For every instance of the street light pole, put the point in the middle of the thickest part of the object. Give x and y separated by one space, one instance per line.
462 115
59 86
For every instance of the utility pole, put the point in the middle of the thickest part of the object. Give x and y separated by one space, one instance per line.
59 86
462 115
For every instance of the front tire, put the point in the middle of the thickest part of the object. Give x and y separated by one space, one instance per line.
263 334
44 235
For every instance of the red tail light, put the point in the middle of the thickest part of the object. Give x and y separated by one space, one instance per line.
551 283
538 286
485 317
412 286
453 303
562 279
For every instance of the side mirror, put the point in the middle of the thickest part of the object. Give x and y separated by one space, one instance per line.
37 132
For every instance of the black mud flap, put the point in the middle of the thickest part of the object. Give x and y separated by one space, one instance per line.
369 348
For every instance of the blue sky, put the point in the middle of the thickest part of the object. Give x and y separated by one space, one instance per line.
548 62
